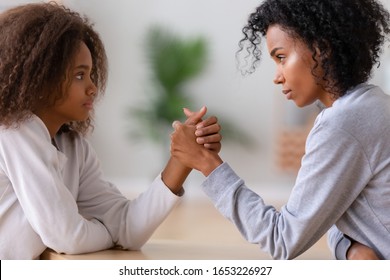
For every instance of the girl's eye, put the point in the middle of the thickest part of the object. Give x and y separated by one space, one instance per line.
80 76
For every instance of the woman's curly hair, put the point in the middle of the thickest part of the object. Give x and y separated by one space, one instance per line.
345 35
37 46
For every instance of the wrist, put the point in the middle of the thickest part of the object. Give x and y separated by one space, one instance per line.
174 175
212 161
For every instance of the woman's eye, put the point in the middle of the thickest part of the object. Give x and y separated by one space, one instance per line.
280 57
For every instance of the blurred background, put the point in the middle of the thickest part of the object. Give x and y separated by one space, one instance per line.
252 104
264 133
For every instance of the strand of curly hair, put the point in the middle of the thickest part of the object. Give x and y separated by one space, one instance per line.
347 36
38 42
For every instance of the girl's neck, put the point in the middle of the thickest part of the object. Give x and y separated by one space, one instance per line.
51 124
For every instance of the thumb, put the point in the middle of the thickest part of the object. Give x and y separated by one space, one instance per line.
175 124
194 117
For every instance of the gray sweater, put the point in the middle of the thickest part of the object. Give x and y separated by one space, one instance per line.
344 181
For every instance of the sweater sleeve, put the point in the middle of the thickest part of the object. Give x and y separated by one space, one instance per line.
338 243
326 186
33 167
130 222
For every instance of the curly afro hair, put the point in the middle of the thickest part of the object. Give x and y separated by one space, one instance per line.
37 43
345 35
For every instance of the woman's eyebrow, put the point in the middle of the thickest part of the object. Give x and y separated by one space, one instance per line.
272 53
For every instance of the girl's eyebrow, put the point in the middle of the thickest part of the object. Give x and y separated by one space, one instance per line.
272 53
82 66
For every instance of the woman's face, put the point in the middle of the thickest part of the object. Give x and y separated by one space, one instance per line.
294 64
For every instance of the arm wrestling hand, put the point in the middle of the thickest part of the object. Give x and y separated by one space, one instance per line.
207 131
185 148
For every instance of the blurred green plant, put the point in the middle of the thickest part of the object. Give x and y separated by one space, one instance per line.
173 62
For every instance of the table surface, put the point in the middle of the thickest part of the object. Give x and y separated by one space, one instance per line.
194 230
167 250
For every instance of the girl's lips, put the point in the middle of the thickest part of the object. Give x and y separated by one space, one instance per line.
88 105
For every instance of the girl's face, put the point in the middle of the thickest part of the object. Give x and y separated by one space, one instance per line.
79 96
294 64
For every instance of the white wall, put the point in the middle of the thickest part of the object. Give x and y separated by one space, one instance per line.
250 101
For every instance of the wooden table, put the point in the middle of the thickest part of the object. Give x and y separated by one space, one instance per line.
168 250
193 231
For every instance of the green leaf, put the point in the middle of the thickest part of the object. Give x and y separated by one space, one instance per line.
173 62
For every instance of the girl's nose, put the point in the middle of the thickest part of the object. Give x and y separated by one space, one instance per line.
92 89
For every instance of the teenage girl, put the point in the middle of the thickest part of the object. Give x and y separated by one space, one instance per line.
52 191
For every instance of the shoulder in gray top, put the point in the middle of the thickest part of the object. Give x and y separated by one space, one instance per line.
344 181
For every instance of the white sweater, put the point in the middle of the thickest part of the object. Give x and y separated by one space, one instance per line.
59 199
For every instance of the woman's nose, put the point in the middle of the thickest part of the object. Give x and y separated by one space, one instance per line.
278 79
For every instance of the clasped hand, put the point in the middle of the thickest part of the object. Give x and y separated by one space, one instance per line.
196 143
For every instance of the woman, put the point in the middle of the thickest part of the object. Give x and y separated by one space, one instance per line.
324 51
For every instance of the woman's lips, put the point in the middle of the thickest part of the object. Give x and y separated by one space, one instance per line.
288 94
